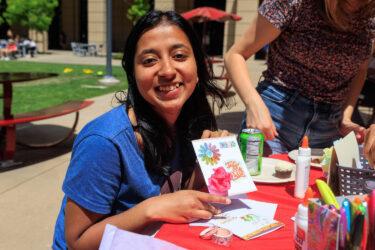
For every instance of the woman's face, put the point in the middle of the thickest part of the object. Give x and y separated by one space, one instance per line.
165 69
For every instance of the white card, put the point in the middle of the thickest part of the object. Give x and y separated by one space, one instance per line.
223 152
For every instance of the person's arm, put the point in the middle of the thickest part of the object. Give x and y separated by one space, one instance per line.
369 147
84 229
355 88
258 34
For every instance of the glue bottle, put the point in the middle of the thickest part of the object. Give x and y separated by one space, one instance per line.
301 222
302 169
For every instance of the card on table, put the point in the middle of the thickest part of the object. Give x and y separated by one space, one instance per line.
223 153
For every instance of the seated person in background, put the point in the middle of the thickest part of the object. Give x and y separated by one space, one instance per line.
128 164
30 46
11 49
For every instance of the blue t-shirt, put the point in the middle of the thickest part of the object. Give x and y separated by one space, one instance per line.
106 174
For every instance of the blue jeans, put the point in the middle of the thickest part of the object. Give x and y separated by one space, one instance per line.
295 116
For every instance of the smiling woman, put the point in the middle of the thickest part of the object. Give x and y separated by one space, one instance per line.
124 160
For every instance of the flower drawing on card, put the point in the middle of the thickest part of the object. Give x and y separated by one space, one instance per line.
209 153
237 171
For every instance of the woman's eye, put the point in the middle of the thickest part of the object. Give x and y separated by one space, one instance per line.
148 61
180 56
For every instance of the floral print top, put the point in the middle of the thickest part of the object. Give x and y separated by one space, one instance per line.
309 55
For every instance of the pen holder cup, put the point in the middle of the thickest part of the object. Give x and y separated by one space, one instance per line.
355 181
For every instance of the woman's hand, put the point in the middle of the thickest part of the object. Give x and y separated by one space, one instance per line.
369 146
347 126
212 134
258 117
184 206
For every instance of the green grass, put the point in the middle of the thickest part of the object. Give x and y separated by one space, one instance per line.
34 95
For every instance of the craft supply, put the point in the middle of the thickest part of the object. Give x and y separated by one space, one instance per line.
219 182
221 156
346 205
251 146
343 227
222 237
354 208
302 168
327 194
371 209
332 208
208 233
301 222
357 230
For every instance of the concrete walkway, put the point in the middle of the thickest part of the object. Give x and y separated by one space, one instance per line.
30 196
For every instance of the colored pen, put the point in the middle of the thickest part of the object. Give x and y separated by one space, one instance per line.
332 208
346 205
357 230
327 194
371 209
364 235
343 227
353 209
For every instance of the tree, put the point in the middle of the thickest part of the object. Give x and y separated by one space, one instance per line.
1 13
137 10
32 14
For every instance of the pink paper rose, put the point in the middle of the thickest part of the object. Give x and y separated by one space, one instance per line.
219 180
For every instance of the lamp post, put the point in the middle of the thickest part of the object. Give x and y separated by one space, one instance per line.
108 79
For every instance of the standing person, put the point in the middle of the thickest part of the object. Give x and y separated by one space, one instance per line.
122 161
317 61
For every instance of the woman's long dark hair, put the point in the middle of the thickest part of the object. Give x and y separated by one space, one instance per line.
196 114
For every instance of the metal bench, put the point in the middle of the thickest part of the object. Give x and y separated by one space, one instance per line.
9 127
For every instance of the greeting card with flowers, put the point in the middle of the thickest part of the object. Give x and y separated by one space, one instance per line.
223 167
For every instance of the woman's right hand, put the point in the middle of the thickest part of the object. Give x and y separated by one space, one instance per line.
258 117
184 206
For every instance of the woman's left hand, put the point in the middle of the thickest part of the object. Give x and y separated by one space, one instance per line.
347 126
212 134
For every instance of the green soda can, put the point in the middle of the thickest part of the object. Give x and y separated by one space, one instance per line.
251 146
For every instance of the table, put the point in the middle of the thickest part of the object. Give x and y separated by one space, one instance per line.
188 237
7 79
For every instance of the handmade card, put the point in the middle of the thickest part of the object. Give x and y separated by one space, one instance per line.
223 167
246 224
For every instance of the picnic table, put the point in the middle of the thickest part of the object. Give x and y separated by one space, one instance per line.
9 121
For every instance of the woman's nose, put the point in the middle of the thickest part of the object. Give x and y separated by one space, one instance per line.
167 69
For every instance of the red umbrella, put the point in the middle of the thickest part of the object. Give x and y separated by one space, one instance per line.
205 14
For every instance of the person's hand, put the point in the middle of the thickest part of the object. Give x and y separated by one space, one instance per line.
212 134
369 145
184 206
258 117
347 126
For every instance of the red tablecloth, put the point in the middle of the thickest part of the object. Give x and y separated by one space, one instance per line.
188 237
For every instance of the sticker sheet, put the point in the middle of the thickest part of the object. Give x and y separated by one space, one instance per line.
219 157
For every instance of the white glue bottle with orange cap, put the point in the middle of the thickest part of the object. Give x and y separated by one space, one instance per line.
303 162
301 222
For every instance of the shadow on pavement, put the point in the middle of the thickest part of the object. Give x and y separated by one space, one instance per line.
40 134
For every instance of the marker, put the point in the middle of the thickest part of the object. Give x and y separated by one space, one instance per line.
371 209
346 205
327 194
343 227
357 230
332 208
354 209
364 235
